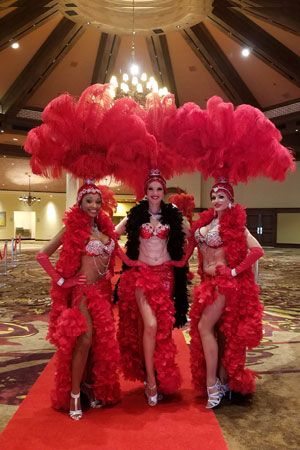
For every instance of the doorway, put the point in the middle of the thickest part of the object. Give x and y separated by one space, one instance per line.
25 224
262 224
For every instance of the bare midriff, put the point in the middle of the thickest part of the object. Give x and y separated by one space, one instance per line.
88 267
153 251
212 257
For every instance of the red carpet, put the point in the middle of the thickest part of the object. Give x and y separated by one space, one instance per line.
178 423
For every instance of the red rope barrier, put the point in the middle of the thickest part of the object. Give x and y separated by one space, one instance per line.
2 255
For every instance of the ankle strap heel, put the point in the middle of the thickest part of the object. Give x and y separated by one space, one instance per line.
215 394
75 414
152 398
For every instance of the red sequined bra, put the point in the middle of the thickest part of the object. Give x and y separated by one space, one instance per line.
161 231
96 247
211 239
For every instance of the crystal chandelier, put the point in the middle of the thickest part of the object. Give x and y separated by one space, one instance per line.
135 85
29 199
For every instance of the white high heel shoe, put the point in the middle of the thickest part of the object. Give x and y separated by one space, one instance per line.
75 414
215 394
151 394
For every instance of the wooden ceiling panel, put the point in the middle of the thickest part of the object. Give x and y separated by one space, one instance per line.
267 85
290 40
247 33
72 74
43 62
194 82
15 61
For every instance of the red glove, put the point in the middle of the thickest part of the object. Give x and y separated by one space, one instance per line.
253 255
180 263
73 281
129 262
188 253
224 271
44 261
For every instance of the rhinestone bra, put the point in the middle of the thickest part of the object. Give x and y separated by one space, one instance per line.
96 247
211 239
161 231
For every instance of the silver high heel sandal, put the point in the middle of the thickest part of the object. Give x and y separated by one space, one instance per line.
151 398
215 394
75 414
87 389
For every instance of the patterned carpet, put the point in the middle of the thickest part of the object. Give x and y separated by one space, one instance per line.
267 421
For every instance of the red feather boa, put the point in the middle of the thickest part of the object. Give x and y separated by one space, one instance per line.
67 322
241 321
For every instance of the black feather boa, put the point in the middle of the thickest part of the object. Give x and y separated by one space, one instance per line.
171 216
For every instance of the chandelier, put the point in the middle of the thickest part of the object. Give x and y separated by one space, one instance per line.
29 199
135 85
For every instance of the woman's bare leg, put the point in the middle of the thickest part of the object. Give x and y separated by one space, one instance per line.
80 353
149 334
209 318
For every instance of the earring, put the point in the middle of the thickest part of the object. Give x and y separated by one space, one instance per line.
229 205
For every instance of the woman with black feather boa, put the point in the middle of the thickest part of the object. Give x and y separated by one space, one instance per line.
152 298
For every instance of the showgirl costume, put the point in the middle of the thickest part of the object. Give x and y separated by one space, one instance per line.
166 293
67 322
241 320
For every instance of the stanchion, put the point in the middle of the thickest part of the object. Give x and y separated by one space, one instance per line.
3 258
19 241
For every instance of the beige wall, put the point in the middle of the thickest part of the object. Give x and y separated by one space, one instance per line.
49 213
288 228
191 183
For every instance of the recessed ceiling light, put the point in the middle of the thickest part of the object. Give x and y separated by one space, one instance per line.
15 45
2 131
15 139
246 52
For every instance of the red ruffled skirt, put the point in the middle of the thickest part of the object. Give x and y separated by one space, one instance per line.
157 284
240 325
66 324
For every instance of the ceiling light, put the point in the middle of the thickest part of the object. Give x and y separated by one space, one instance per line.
2 131
29 199
15 139
134 85
246 52
15 45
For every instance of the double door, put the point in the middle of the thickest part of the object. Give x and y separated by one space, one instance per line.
262 224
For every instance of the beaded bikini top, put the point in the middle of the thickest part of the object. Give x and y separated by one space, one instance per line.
96 247
211 239
161 231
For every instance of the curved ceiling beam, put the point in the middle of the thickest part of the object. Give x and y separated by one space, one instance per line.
208 51
106 56
161 63
263 45
24 20
59 42
286 16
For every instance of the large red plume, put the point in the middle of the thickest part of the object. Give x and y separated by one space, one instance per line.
238 144
185 203
91 138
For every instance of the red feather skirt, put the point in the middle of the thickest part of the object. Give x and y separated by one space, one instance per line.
156 282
